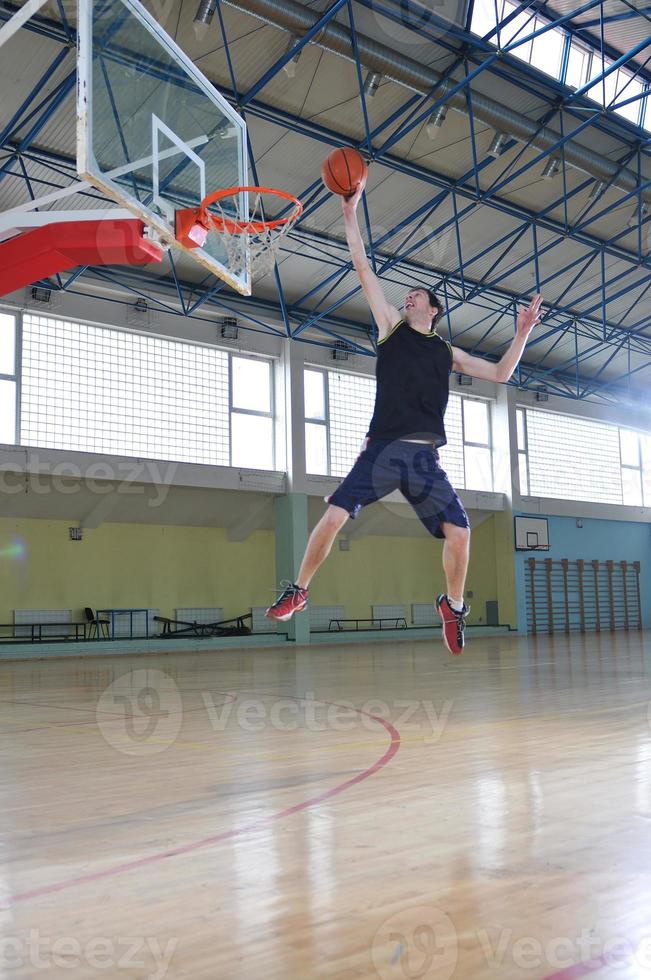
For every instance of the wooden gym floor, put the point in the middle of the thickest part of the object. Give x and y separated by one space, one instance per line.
216 815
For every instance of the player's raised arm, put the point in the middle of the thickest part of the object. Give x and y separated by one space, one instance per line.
385 315
480 367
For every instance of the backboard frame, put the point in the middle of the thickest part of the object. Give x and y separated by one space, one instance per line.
161 230
531 533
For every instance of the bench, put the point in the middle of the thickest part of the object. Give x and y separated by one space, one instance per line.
225 627
339 625
64 631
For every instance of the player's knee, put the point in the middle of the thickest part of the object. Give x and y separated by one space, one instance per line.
458 537
335 518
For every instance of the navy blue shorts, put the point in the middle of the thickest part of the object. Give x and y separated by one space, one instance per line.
414 469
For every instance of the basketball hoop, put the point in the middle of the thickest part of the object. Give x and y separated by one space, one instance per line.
247 238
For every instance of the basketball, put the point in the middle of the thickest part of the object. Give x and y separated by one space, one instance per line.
343 170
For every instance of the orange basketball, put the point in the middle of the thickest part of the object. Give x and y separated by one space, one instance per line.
342 171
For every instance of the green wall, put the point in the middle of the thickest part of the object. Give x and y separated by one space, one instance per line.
166 567
406 570
138 565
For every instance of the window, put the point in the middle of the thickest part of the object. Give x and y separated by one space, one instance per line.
477 445
252 435
338 409
628 87
100 390
451 454
520 27
467 456
614 464
631 456
350 402
7 378
645 445
317 456
109 391
578 66
617 87
523 462
545 52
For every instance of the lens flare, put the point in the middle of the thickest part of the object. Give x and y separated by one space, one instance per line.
14 550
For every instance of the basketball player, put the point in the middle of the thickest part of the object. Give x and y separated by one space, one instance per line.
401 449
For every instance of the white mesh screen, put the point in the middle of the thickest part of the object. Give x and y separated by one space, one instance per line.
388 611
42 616
259 622
351 405
452 453
109 391
573 458
424 614
320 616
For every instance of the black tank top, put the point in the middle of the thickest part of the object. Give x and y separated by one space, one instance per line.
413 385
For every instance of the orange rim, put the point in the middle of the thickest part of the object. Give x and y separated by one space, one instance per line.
232 226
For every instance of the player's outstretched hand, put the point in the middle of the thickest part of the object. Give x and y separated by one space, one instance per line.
529 316
349 204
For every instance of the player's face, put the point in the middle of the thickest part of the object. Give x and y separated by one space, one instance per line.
417 305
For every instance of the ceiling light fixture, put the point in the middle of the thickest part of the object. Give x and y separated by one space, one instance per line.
638 216
204 15
290 67
436 120
497 145
596 189
552 167
372 83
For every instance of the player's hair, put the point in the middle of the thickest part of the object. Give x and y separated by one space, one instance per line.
433 301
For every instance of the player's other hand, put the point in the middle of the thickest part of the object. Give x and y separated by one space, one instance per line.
349 204
529 316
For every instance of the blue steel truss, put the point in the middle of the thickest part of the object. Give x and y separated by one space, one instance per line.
315 317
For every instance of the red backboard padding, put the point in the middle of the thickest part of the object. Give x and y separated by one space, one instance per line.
64 245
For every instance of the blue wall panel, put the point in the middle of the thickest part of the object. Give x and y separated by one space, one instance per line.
597 539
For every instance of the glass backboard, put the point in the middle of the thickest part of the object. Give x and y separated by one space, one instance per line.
152 132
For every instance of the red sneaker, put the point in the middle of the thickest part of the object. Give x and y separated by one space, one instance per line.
292 600
454 624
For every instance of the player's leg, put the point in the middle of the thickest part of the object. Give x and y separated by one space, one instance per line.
294 597
456 555
451 607
434 499
371 477
320 543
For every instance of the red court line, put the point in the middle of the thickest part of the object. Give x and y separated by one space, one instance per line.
113 718
118 869
579 970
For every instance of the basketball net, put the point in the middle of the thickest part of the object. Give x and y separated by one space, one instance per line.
250 240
